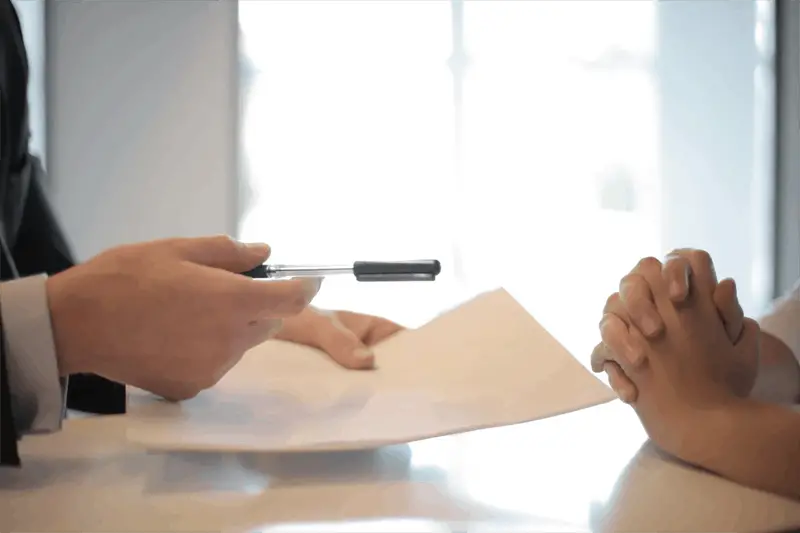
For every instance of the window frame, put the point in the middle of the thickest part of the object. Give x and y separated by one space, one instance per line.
787 145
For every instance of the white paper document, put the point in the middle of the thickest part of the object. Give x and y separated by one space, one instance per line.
484 364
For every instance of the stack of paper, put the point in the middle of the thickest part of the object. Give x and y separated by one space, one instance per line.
487 363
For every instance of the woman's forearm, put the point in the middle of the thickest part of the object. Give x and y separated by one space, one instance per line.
778 378
751 443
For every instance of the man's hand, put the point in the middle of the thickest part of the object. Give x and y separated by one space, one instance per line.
170 316
689 372
347 337
683 272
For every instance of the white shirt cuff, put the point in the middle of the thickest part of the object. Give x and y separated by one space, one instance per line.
38 396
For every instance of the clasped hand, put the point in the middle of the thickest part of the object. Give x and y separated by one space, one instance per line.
675 343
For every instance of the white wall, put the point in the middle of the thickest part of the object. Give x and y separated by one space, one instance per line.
142 118
715 144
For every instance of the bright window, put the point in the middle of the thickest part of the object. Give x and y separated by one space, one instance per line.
518 142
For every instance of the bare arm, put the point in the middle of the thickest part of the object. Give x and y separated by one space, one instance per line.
751 443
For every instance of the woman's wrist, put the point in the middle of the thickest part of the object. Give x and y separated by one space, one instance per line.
705 431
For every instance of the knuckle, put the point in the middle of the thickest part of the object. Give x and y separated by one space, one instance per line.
608 328
634 291
680 253
675 263
297 304
126 252
676 252
225 242
631 283
648 265
701 257
612 302
612 334
598 357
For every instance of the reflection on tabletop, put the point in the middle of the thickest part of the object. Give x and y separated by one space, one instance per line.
586 471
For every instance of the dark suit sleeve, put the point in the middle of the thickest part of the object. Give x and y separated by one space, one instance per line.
41 247
8 433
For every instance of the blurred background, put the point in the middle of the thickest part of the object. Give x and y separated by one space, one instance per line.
542 146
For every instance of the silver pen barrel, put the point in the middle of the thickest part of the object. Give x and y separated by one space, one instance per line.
425 270
305 271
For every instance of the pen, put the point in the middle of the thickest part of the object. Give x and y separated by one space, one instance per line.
424 270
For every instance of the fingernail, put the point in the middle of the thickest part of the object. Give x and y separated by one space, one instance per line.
311 287
257 246
365 359
676 291
364 353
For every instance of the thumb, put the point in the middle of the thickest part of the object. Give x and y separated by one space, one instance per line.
750 337
743 374
729 309
221 252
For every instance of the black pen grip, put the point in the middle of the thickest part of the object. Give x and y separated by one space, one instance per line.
423 270
259 272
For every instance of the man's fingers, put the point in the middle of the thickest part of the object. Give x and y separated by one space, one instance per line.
677 272
636 296
219 251
371 330
619 382
344 346
729 309
324 331
261 330
277 299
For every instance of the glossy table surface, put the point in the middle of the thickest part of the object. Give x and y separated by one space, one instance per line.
591 470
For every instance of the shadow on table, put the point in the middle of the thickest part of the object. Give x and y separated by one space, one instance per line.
182 472
390 463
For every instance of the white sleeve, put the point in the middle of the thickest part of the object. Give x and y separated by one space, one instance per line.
783 320
38 396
